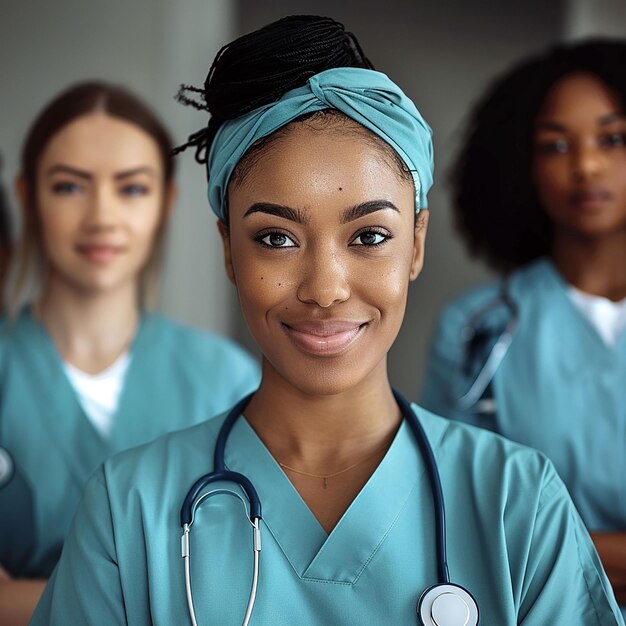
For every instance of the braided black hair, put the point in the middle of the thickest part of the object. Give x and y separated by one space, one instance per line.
261 66
496 207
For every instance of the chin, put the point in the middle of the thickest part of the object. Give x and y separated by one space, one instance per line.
98 285
325 379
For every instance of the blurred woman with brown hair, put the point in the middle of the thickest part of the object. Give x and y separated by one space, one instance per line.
86 369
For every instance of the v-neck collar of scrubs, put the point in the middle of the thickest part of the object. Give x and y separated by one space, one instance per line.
560 287
343 555
80 450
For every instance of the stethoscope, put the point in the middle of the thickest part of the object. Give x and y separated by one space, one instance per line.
473 397
442 604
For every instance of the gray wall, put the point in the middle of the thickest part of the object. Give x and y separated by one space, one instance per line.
443 54
588 18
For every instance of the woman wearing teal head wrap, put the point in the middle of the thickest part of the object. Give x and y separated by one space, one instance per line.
316 167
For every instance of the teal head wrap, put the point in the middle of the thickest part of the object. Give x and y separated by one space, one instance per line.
366 96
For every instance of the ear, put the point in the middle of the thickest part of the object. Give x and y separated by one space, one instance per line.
224 231
419 244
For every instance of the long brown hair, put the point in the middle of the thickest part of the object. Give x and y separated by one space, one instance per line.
78 100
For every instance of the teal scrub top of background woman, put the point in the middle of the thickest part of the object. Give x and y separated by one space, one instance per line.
560 389
514 539
177 377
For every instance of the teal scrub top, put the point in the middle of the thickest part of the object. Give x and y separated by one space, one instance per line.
177 377
560 388
514 539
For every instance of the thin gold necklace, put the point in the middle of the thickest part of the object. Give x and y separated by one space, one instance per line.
325 477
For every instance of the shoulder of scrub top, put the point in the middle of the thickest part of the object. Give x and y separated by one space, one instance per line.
201 352
469 302
466 449
467 305
166 467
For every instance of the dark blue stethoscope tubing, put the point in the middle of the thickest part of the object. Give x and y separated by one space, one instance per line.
443 575
221 473
219 465
186 511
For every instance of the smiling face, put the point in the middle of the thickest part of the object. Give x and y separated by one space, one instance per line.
99 201
321 246
579 162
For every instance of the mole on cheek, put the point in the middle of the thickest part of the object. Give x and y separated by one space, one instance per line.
340 188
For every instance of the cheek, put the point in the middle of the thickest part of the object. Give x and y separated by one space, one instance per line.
144 223
384 285
262 288
620 174
57 227
391 293
550 178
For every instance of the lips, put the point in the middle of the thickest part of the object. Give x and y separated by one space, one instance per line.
99 253
590 198
325 338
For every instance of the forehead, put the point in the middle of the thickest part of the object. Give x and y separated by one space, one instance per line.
580 96
98 140
308 165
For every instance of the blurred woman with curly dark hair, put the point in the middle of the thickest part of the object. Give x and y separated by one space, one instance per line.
540 355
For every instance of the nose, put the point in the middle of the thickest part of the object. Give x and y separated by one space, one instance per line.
104 210
587 162
324 279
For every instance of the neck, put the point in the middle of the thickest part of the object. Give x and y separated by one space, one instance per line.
89 330
324 433
593 265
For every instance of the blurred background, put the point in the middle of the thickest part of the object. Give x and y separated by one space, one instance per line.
442 53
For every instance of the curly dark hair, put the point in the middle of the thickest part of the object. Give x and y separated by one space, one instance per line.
496 207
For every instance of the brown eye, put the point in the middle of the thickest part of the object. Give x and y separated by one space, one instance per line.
613 140
558 146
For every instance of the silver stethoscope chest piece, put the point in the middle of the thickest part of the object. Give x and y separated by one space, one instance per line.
6 467
447 605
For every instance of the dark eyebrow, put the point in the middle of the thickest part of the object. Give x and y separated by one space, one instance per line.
612 117
365 208
559 128
137 170
68 170
287 213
